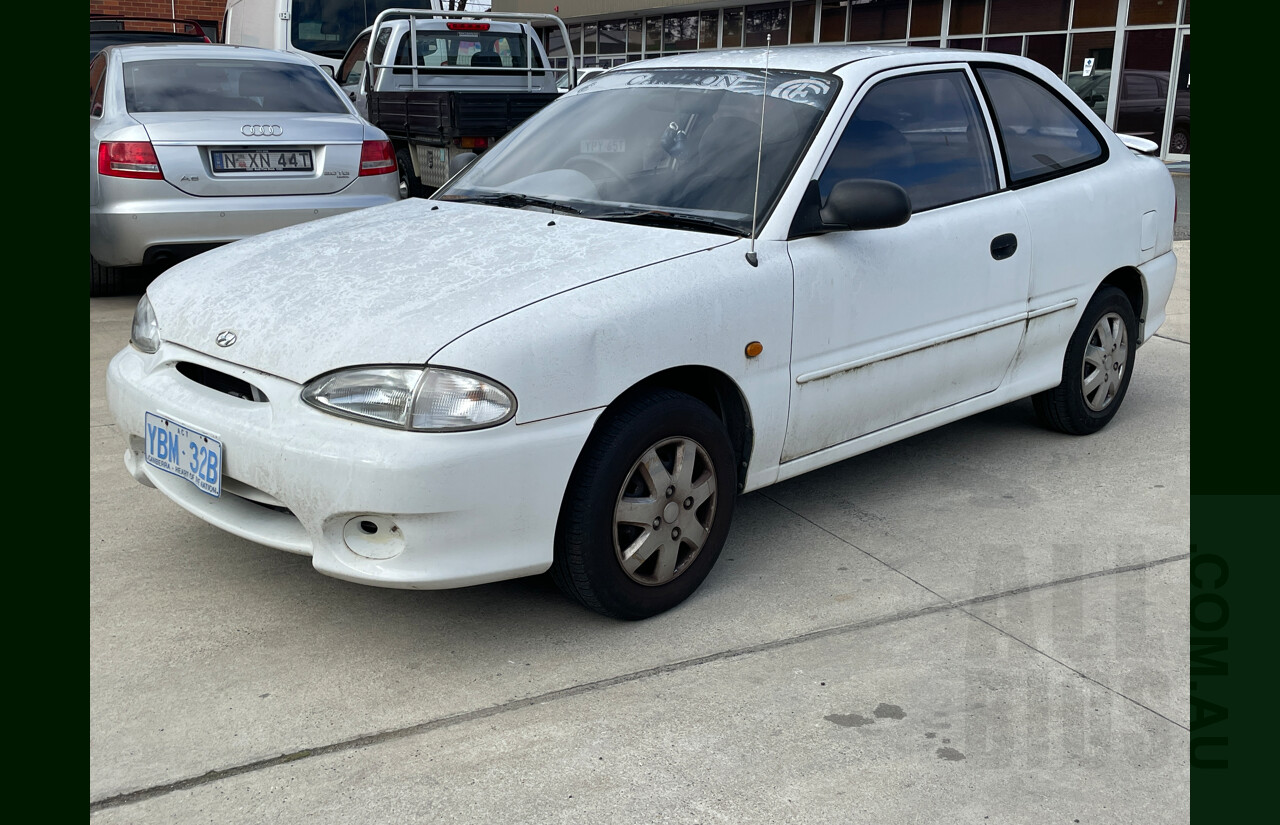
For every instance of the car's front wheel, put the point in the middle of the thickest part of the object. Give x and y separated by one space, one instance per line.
648 507
1096 370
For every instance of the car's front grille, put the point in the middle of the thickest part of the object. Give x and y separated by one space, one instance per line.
220 381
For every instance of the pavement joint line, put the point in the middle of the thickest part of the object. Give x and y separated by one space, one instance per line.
1171 338
1076 671
143 794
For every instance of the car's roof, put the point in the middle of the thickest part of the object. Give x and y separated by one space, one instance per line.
169 51
823 58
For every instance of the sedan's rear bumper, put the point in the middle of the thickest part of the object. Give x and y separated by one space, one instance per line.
452 509
156 216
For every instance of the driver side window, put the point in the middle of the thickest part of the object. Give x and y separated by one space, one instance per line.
923 132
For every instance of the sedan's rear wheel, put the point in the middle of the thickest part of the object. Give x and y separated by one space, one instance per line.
104 280
1096 370
647 509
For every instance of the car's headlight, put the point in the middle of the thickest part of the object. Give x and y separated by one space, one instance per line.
427 399
145 334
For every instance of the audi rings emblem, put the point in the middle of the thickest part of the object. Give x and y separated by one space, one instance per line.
226 338
261 130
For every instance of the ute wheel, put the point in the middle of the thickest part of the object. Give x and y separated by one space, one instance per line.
1096 370
410 186
647 508
104 280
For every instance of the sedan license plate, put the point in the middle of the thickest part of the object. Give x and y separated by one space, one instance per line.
265 160
185 452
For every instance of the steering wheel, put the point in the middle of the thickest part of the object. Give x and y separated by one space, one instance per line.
588 163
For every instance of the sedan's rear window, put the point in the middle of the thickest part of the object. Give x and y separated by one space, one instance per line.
213 85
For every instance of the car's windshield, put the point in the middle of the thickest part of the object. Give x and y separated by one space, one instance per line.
664 145
217 85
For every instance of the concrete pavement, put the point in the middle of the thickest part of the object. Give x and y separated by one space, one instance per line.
985 623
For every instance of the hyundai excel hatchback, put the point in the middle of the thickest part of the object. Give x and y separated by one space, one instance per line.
688 279
193 146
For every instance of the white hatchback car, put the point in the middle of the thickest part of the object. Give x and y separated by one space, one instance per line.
193 146
689 278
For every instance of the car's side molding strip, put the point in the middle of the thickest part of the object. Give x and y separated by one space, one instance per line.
1036 313
818 375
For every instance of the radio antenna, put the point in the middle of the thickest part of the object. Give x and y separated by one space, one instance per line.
755 199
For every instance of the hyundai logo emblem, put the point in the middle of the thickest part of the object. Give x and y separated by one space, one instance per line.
261 130
226 338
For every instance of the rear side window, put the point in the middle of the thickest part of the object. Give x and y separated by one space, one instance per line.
227 86
97 67
923 132
353 64
1042 136
467 48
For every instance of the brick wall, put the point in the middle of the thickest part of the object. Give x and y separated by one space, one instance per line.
202 10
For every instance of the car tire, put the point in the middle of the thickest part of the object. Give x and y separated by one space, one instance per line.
647 508
104 280
1180 141
410 186
1096 369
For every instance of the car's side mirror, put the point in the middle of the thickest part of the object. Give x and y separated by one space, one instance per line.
328 70
855 203
460 162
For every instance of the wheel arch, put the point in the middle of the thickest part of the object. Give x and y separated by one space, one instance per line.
710 386
1129 280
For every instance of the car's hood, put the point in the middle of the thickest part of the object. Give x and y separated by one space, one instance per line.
391 284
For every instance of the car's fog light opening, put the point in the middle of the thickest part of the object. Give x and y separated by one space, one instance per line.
373 537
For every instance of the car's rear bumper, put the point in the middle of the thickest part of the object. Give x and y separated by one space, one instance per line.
1157 278
157 217
453 509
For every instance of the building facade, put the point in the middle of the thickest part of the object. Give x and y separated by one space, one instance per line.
1082 41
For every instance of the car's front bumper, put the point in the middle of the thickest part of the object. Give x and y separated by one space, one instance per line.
453 509
143 215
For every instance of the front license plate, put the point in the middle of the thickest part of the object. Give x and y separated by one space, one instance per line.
274 160
184 452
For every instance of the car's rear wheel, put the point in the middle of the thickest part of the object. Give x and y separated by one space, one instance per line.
410 186
104 280
648 507
1096 370
1180 141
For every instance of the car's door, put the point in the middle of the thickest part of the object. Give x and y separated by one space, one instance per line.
891 324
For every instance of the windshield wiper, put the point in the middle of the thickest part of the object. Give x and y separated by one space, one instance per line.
676 220
515 200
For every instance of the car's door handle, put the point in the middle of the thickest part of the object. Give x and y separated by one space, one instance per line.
1003 246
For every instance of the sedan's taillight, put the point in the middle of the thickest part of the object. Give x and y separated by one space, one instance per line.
128 159
377 158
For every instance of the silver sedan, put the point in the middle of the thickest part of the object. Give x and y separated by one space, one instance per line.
195 146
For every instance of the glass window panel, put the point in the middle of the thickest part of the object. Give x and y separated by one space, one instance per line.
974 43
1144 83
928 43
1042 136
555 42
1048 50
834 14
653 35
1004 45
767 21
923 132
709 29
1021 16
589 38
1144 12
635 35
926 18
679 33
613 36
966 16
878 20
802 14
1180 139
1098 45
1091 14
732 34
1186 12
